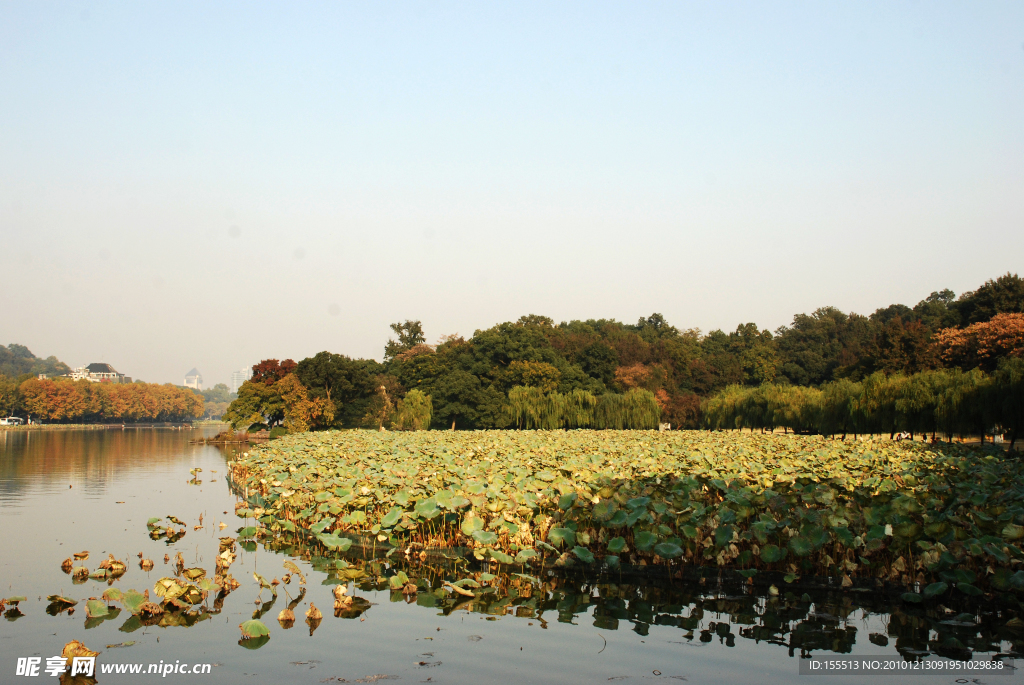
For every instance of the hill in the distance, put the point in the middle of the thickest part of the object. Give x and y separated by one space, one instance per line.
17 360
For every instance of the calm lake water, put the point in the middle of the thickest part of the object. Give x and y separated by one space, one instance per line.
67 491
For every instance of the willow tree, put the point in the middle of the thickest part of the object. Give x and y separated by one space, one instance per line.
414 411
1007 393
839 408
578 409
531 408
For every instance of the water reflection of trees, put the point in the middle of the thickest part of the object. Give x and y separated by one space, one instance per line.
93 455
802 620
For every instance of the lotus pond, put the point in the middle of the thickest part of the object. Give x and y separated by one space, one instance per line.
927 517
366 556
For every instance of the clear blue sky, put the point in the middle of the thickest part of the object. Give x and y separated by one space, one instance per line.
208 184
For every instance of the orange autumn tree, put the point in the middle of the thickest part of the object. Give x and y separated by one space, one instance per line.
983 344
65 401
302 413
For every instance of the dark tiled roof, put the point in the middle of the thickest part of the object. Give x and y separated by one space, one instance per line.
100 368
193 372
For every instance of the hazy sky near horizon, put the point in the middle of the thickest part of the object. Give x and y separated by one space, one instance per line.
209 184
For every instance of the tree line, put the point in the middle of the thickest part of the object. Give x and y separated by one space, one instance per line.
533 373
67 401
944 402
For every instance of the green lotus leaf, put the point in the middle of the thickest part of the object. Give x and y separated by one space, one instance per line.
112 594
333 542
525 555
644 541
935 589
253 629
500 557
96 608
393 516
968 589
562 537
723 535
583 554
800 546
616 545
471 525
668 550
132 600
911 597
771 554
618 519
426 507
566 501
603 510
485 537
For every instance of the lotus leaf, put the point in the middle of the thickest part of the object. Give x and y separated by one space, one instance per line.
332 541
96 608
644 541
500 557
561 537
485 537
668 550
800 546
583 554
525 555
616 545
254 629
603 510
935 589
194 574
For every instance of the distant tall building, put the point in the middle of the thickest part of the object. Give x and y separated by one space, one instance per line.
239 377
194 379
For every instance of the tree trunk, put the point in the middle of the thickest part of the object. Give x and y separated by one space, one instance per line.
453 424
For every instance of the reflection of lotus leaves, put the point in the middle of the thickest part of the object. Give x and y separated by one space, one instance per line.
254 642
353 609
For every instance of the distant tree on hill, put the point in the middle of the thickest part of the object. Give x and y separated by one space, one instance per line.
410 334
1004 295
17 360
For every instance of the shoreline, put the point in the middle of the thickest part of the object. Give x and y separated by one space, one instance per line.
100 426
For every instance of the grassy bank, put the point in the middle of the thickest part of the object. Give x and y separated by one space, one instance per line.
934 517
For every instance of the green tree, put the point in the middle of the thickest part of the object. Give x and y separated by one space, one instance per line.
410 334
257 403
9 397
414 411
460 400
1004 295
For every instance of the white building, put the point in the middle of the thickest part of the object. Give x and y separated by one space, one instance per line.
98 373
239 377
194 379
